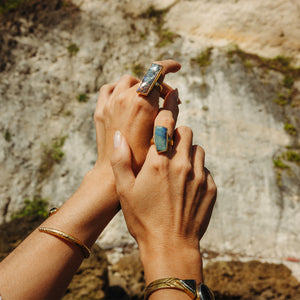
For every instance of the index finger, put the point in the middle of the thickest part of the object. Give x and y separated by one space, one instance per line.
168 66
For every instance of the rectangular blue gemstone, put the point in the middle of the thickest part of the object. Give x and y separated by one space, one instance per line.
161 138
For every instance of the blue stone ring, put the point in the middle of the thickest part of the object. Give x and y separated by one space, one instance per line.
150 80
161 139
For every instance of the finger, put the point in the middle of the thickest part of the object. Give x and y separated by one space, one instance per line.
125 82
164 124
99 114
168 66
166 90
207 204
121 164
104 95
198 159
183 138
171 104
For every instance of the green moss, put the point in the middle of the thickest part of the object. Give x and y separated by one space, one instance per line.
290 129
56 152
279 63
157 16
187 101
51 155
203 59
283 99
279 179
68 113
143 36
282 61
205 107
166 37
292 156
278 163
35 207
73 49
288 81
7 136
11 5
82 98
248 64
137 70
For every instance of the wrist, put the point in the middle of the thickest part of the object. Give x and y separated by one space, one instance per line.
86 213
169 261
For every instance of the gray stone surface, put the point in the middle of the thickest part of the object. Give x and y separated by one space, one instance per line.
229 106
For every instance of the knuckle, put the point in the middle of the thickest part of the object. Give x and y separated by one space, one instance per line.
103 88
119 100
200 178
212 188
140 104
126 78
160 165
185 131
98 116
183 167
167 121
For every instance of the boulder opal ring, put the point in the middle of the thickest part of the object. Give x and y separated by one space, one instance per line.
161 139
150 80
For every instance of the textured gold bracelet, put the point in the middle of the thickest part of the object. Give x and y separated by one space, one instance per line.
187 286
86 251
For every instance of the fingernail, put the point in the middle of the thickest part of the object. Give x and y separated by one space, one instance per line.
176 95
178 100
117 139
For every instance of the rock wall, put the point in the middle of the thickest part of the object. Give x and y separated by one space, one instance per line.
55 57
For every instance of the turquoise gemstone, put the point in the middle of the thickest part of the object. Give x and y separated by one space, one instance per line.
161 138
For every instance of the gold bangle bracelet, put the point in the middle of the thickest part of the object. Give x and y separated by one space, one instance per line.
187 286
86 251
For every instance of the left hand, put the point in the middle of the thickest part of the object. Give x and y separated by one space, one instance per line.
119 107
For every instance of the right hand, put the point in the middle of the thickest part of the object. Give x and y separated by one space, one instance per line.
168 205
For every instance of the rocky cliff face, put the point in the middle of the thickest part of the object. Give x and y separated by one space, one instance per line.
244 108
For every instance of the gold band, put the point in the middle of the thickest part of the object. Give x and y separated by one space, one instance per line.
159 86
86 251
170 283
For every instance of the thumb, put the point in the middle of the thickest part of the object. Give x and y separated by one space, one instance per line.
121 164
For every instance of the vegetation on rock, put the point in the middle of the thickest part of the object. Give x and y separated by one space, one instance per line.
73 49
157 16
35 207
82 97
137 70
204 58
10 5
51 155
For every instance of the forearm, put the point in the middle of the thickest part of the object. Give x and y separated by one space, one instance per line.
178 262
43 265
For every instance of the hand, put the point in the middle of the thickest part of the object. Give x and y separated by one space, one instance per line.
119 107
168 205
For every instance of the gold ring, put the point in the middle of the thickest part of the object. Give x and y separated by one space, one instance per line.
159 86
170 141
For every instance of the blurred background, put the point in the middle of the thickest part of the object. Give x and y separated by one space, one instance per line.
240 91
